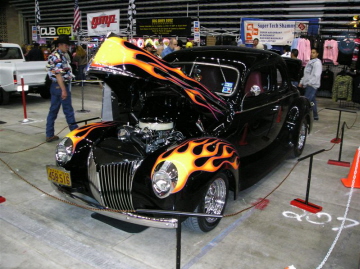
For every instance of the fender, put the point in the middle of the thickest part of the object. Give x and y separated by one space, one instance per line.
300 108
200 155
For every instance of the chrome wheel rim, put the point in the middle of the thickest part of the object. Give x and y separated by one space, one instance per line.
215 199
302 136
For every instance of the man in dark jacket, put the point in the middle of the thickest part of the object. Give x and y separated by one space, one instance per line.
35 54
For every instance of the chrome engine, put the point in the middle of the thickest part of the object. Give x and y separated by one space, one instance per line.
150 134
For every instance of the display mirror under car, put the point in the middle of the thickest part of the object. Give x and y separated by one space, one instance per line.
179 133
255 89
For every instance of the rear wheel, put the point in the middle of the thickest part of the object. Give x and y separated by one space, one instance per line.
4 97
45 91
300 138
213 202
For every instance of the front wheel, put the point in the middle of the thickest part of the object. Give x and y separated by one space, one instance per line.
300 138
4 97
213 202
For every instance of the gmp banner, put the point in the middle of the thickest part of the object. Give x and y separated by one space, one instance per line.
274 32
101 23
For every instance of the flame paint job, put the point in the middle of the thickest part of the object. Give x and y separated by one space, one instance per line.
81 133
199 155
117 55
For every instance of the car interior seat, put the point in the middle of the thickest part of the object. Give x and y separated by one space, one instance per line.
253 79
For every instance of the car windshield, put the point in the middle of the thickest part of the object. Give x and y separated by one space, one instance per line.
218 78
10 53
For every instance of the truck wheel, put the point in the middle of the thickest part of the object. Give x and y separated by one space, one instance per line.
45 92
4 97
213 202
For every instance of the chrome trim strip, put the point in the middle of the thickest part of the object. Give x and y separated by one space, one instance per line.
267 104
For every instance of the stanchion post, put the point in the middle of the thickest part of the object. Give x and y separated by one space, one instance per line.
337 140
178 215
178 243
339 162
305 204
82 99
23 98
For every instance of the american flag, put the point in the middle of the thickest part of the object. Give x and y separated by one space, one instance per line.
37 12
77 16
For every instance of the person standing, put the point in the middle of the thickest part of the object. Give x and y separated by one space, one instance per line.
287 53
257 45
294 53
311 79
35 54
173 45
59 72
80 59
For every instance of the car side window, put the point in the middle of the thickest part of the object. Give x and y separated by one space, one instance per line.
258 81
280 80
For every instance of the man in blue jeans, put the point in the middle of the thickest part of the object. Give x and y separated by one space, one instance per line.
311 79
59 71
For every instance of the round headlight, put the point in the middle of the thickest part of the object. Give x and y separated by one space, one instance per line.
164 179
64 151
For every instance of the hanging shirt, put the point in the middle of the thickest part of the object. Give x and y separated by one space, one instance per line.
346 49
342 88
304 50
331 51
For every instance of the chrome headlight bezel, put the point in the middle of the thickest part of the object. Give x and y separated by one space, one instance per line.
64 151
164 179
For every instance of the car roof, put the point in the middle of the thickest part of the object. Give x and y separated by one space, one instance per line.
233 54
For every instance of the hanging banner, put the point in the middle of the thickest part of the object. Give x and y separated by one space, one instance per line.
274 32
101 23
166 27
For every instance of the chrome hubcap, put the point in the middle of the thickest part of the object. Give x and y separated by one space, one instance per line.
215 198
302 135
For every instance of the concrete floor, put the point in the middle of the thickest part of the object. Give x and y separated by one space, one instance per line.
38 231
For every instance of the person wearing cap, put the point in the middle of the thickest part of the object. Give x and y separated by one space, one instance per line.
35 54
59 71
150 48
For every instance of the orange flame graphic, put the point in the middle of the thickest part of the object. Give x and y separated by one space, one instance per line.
115 53
203 154
82 132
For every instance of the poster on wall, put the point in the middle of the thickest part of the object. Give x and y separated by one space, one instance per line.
164 26
274 32
100 23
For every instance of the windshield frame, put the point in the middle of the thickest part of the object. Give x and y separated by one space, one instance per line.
217 65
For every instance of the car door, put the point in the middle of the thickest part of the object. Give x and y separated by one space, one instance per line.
253 123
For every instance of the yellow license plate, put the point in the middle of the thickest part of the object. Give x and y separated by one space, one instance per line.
58 175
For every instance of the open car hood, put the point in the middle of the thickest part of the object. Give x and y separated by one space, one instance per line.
121 58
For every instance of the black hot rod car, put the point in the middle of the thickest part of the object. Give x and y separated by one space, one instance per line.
178 133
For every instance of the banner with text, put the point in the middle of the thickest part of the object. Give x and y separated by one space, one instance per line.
55 31
164 27
274 32
100 23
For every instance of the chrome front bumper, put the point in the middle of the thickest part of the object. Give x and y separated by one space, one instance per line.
92 205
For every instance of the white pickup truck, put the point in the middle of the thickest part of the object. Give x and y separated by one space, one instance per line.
13 66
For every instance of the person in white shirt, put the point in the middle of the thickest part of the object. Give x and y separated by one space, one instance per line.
287 52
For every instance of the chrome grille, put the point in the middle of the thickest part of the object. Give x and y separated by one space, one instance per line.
112 185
